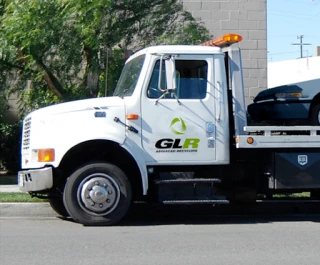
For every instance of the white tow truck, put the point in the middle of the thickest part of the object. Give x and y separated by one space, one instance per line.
175 131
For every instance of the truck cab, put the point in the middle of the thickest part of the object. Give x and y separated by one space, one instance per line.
183 124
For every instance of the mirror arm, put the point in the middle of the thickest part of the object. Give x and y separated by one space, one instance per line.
168 91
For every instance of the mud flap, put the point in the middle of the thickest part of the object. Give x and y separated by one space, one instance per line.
297 171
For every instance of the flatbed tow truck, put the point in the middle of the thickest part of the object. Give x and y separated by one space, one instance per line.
175 131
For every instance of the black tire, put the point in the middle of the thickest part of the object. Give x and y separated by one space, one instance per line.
315 115
57 205
97 194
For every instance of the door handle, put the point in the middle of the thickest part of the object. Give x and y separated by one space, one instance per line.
218 114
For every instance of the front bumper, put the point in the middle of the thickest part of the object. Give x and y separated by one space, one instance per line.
35 179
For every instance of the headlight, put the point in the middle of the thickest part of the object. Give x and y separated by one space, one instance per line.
288 95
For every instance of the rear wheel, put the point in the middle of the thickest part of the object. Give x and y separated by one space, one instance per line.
315 114
97 194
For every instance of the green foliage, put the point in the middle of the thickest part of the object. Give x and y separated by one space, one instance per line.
3 105
53 51
188 32
115 63
39 45
56 50
9 139
10 146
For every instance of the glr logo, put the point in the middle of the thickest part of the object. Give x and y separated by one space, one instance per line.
178 126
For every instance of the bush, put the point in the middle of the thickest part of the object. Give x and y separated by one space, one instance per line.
10 141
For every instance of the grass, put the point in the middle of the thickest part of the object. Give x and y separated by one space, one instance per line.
18 197
15 196
300 195
293 195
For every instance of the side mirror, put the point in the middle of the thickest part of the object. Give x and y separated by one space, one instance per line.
170 64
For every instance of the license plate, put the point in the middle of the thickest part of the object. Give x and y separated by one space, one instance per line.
20 180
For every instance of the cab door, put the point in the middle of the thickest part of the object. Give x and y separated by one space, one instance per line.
181 126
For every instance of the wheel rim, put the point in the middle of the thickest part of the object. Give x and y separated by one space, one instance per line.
98 194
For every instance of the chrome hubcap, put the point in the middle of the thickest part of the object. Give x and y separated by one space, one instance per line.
98 194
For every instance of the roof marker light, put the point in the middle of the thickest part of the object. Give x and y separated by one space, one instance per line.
223 41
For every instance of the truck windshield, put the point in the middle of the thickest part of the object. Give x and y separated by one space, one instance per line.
129 77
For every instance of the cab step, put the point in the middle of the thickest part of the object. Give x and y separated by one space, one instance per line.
189 191
194 180
193 202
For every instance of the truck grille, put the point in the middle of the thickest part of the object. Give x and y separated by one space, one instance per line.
26 134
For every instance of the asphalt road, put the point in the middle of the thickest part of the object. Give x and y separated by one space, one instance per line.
163 237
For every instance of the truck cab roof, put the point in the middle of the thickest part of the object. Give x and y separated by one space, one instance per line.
177 49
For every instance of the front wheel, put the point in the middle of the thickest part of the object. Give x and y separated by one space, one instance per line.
56 203
97 194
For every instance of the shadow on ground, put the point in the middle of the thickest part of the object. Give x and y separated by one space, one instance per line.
159 215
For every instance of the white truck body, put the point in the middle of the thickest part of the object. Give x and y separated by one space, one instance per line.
147 129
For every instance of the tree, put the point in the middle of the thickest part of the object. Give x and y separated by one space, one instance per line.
57 50
61 45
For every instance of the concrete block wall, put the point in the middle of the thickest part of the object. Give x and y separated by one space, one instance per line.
247 18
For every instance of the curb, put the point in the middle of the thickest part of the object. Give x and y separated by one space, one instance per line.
25 209
28 209
9 188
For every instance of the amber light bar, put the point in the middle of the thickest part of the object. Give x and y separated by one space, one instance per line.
223 41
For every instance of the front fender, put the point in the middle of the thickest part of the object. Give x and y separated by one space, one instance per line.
139 156
64 130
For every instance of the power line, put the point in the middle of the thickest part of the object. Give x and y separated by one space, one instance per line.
280 53
294 16
301 45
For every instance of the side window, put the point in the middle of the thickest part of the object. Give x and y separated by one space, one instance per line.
191 80
153 88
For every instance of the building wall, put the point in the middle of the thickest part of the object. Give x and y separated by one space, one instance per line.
293 71
247 18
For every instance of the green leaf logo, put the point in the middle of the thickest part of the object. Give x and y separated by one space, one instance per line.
174 125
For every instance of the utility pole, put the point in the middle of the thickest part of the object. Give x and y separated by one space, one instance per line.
301 45
106 73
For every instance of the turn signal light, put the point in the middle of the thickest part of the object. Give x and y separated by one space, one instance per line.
132 116
46 155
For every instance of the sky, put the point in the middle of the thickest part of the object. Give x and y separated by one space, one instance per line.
288 19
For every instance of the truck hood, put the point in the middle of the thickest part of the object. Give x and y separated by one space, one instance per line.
103 103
